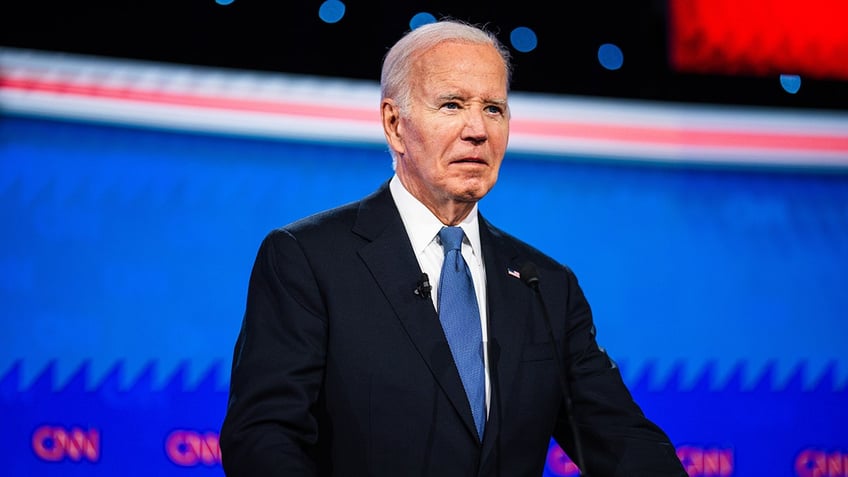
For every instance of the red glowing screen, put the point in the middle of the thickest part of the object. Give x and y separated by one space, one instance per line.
760 37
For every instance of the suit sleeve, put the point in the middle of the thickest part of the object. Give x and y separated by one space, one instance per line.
617 439
270 428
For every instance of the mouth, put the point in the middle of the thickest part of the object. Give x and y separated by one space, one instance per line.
470 160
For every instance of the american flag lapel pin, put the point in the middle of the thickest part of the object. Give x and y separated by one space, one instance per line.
513 273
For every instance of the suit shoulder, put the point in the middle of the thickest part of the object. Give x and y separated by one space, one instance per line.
320 223
338 219
313 237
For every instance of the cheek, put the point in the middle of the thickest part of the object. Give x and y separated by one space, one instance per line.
500 136
422 139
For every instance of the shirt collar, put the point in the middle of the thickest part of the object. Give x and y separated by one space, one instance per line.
422 226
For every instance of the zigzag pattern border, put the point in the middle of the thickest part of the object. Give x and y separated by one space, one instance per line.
645 377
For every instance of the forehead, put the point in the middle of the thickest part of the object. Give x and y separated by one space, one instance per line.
454 64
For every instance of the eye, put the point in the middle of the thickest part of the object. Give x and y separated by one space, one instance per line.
494 109
451 105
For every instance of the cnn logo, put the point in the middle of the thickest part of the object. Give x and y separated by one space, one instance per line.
701 462
191 448
818 463
55 443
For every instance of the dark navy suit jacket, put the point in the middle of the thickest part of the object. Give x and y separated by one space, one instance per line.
340 369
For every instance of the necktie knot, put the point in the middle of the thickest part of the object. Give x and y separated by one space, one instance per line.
451 238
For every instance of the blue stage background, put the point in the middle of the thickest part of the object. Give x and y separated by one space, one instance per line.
124 260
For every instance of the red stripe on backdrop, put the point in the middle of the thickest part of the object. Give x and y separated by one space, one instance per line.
685 136
186 99
675 136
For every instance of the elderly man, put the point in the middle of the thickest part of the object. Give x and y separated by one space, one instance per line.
404 335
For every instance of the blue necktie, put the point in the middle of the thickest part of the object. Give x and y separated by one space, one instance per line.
460 318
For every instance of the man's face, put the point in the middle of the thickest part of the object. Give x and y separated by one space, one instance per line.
452 139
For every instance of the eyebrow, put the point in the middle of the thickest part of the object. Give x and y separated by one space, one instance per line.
459 97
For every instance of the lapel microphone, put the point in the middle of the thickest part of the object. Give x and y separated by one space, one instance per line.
423 288
530 276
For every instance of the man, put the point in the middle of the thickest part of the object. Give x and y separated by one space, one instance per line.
358 356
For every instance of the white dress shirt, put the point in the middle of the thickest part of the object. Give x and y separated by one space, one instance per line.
423 227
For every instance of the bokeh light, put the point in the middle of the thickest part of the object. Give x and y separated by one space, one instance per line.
610 56
523 39
790 83
421 18
331 11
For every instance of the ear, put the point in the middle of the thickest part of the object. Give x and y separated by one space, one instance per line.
390 114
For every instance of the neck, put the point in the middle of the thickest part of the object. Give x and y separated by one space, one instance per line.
448 210
452 213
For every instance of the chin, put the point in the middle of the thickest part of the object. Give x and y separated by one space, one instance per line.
472 192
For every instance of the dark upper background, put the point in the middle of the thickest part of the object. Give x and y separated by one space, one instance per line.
289 37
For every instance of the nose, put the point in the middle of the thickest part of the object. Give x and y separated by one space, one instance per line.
474 129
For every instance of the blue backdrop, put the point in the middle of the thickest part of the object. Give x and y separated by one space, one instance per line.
125 255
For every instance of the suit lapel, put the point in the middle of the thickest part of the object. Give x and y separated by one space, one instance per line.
392 263
508 305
